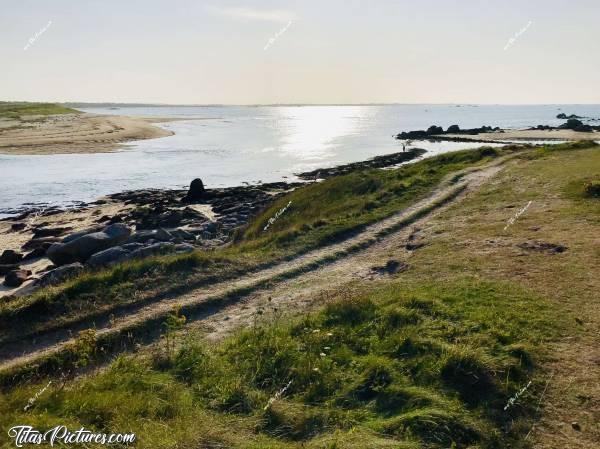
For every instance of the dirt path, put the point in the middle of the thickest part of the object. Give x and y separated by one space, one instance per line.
341 256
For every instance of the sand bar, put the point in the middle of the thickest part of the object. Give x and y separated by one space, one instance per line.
76 133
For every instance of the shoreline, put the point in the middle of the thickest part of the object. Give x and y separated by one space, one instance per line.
81 133
160 216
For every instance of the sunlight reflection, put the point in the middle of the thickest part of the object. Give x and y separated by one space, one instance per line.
310 132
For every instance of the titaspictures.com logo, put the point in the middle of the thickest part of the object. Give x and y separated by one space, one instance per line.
27 435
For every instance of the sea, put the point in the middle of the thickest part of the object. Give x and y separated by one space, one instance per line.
235 145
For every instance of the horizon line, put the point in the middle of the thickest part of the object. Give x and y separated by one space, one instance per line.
160 104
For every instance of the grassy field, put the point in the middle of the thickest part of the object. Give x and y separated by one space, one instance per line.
20 110
428 358
389 367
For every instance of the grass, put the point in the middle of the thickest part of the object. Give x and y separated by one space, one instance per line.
429 360
19 110
319 214
431 366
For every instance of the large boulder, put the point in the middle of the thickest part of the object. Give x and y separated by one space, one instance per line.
108 257
572 123
143 236
16 277
435 130
82 248
152 250
61 274
78 234
196 191
10 257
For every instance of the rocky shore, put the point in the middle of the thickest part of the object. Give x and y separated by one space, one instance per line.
43 246
49 245
572 129
387 160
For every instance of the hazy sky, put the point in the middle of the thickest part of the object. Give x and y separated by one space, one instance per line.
305 51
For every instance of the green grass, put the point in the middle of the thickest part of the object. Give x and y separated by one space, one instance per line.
428 361
428 366
320 214
18 110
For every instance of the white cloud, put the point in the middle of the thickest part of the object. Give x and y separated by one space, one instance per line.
243 13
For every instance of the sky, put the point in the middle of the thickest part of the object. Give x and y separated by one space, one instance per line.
305 51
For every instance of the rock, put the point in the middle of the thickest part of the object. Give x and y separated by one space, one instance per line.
103 219
184 248
432 130
145 236
575 425
152 250
61 274
5 269
419 134
564 116
116 219
196 191
36 253
49 232
571 124
43 243
82 248
163 235
10 256
211 227
17 227
107 257
182 234
78 234
452 129
16 277
132 246
583 128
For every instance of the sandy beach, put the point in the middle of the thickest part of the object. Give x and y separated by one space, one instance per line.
76 133
526 135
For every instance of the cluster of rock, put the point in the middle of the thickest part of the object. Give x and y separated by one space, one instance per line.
162 221
572 124
10 268
387 160
232 206
564 116
435 131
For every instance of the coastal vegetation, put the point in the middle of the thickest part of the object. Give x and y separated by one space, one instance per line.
432 357
430 366
320 214
21 110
